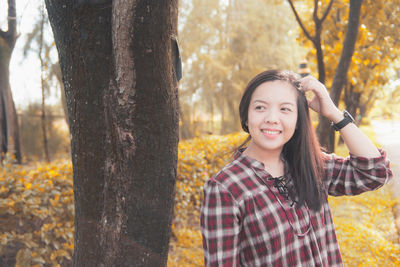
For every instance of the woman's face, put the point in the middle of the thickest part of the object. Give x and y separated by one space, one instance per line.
272 116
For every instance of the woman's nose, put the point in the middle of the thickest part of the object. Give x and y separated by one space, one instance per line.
271 117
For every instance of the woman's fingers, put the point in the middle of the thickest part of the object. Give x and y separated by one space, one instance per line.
321 101
310 83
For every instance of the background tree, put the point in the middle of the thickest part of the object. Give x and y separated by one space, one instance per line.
313 30
117 61
224 44
9 130
376 49
325 133
43 85
49 138
40 43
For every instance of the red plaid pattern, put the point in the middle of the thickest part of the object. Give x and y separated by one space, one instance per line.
246 222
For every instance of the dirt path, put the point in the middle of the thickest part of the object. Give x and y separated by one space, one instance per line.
388 135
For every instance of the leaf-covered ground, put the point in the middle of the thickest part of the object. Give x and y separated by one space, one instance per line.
36 212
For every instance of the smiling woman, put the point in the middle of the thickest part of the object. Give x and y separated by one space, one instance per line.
272 118
269 207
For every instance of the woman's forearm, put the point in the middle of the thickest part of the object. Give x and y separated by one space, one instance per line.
356 141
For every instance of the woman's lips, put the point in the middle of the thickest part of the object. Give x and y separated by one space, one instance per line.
271 133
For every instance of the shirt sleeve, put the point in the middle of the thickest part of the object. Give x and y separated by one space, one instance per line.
354 175
220 226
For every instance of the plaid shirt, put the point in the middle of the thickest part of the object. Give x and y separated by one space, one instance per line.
246 222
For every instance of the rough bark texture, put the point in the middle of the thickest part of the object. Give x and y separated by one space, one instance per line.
122 99
325 132
9 129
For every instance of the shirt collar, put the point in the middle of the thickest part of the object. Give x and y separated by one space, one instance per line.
250 161
255 164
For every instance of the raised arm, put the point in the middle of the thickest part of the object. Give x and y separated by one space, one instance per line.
366 168
356 141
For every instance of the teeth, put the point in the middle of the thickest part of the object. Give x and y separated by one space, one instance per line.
270 132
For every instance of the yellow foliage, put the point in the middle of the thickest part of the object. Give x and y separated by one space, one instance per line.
365 229
186 248
199 159
36 207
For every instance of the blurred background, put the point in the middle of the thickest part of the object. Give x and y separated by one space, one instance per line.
223 44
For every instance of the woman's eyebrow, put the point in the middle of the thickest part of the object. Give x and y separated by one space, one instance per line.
265 102
261 101
288 103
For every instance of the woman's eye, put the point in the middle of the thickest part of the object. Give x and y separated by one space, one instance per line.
260 108
286 109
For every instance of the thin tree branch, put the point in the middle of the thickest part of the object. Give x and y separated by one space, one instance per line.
315 12
300 22
327 11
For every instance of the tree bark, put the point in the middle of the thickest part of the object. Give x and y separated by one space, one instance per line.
9 132
325 133
117 63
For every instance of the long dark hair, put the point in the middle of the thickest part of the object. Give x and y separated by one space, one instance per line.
302 152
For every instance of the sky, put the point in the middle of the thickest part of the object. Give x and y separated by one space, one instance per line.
25 71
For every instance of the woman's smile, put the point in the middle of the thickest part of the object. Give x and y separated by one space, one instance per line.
271 133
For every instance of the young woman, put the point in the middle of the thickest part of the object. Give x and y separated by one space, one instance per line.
269 207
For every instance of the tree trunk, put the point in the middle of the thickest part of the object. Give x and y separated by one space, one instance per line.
9 131
325 133
42 84
352 101
320 60
5 54
14 145
117 63
340 77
